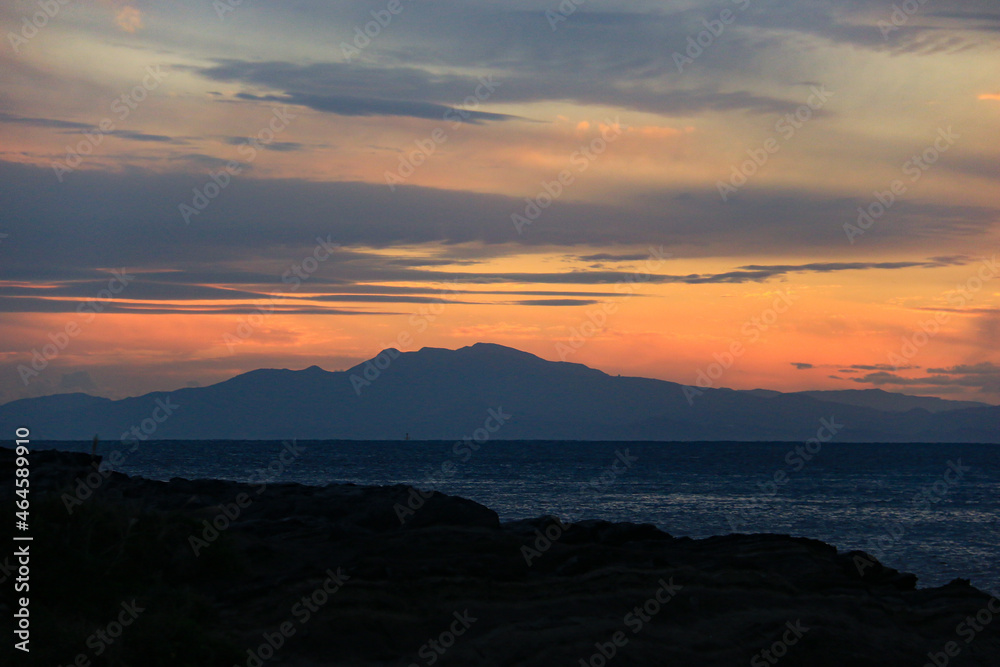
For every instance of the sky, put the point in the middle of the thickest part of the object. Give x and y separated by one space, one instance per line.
780 194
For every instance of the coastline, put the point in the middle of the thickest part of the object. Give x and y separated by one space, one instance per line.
227 573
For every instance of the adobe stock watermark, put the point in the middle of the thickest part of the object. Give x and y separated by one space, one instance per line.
926 498
293 278
104 638
622 463
900 16
579 160
967 629
219 180
420 321
697 44
929 328
457 116
223 7
751 331
635 620
48 10
435 647
796 459
914 169
86 486
608 477
597 317
556 526
544 539
565 9
364 34
779 649
786 127
300 613
229 513
462 450
122 107
60 340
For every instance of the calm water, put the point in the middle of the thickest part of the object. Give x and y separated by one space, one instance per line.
850 495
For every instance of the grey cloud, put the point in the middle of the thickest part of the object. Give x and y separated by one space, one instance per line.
983 368
987 382
881 367
132 219
85 127
360 90
980 14
611 257
34 305
425 261
141 136
556 302
45 122
355 106
280 146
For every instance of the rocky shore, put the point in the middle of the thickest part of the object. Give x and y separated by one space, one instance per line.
128 571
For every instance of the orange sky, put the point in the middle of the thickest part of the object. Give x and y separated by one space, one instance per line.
548 189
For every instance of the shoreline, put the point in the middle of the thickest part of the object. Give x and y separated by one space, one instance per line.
383 575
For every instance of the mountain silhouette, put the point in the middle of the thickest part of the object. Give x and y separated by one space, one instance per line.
440 394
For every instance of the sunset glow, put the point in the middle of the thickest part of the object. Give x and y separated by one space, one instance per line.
190 193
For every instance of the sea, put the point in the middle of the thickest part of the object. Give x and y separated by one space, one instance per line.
929 509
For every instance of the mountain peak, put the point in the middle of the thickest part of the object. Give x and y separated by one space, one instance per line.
480 350
442 394
497 350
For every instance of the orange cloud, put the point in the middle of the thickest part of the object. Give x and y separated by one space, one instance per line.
655 131
990 96
129 19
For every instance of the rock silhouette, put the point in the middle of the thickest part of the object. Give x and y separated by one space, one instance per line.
352 575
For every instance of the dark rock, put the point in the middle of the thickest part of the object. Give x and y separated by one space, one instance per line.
541 591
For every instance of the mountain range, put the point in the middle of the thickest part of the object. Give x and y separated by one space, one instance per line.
487 390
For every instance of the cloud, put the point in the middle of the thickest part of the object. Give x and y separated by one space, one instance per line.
985 377
132 220
354 106
429 261
974 18
253 217
129 19
141 136
828 267
802 366
361 89
983 368
355 271
280 146
611 257
45 122
54 123
557 302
